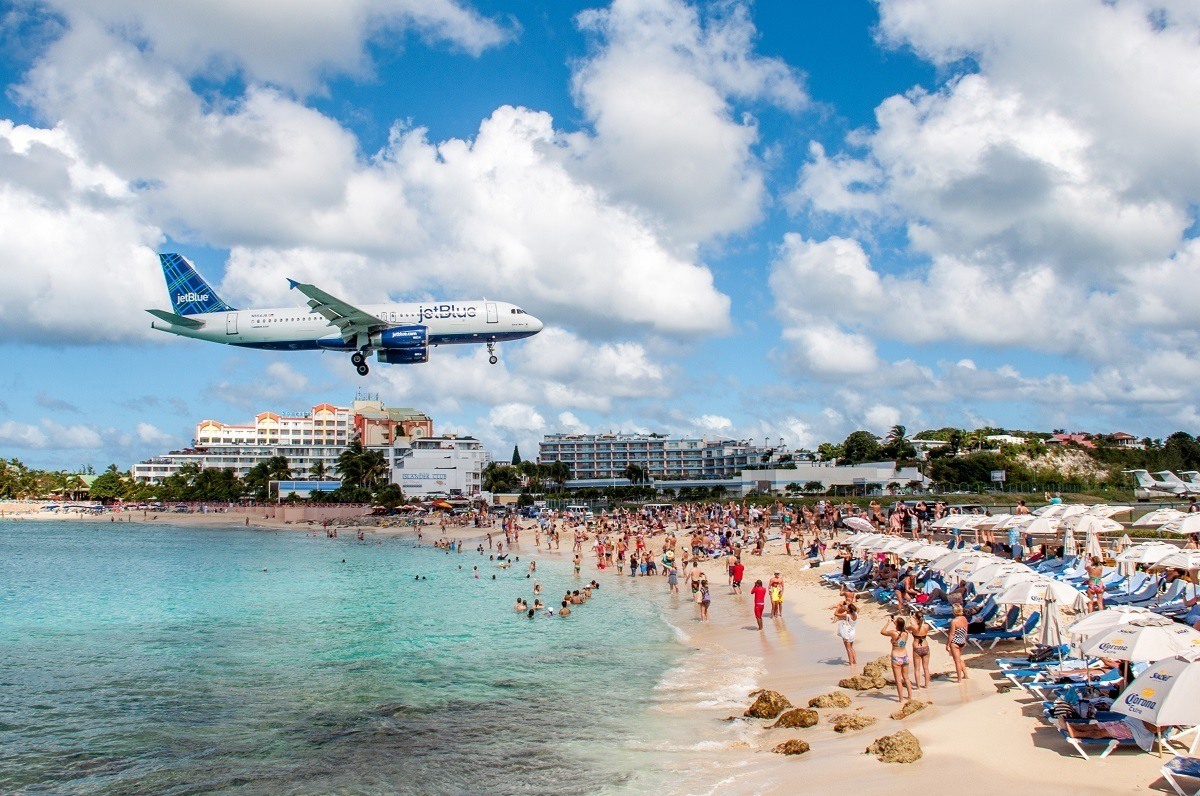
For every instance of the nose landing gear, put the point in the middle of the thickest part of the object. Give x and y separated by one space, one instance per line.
491 347
359 359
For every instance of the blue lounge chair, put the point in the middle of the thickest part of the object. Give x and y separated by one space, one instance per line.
996 636
1182 768
1107 744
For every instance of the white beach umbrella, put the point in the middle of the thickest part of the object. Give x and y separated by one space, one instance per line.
1049 510
1082 523
1167 694
859 524
1107 619
1091 544
969 565
1181 559
1186 525
1126 568
1069 547
928 552
986 573
1043 525
1147 553
1158 517
953 557
1107 510
993 521
1001 583
1050 632
907 548
1140 642
1037 592
865 540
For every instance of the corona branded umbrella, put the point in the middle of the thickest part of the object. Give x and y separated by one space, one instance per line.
1069 547
1182 559
1143 642
1147 553
1040 592
928 552
1158 517
1082 523
986 573
1186 525
1105 620
1166 695
1105 510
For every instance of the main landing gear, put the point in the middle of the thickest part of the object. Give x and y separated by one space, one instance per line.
359 359
492 350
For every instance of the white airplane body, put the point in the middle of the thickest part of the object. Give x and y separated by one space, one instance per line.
1152 486
1170 479
394 333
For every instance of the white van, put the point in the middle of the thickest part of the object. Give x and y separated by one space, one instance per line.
580 512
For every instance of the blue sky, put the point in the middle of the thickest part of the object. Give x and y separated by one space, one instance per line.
771 219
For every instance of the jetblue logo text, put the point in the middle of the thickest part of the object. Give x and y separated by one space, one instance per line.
189 298
447 311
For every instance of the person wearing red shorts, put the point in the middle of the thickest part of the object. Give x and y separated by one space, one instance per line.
739 569
759 592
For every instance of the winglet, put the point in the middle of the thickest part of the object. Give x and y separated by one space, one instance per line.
292 284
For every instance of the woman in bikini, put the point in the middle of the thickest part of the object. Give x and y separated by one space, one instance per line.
957 642
895 630
920 633
1095 585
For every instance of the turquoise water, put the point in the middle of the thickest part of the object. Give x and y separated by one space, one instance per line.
166 660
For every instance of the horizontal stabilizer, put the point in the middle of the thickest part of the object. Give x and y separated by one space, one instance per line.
177 320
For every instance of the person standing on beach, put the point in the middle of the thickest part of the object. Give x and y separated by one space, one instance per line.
705 598
956 642
896 631
759 593
673 579
846 614
920 630
775 587
739 571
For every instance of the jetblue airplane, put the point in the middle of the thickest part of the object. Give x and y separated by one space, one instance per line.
397 334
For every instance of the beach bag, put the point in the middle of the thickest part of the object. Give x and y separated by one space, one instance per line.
922 598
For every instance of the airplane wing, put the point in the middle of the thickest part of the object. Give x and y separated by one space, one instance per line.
349 319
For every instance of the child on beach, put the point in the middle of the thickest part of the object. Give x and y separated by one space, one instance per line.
705 598
775 587
759 593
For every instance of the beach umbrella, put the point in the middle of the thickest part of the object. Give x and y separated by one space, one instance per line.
1049 510
1091 544
866 540
1147 553
986 573
907 548
969 565
1069 548
1106 510
1167 694
1050 632
1041 525
1082 523
993 521
1184 526
928 552
1037 592
1001 583
1181 559
1158 517
1143 642
859 524
952 557
1126 568
1108 618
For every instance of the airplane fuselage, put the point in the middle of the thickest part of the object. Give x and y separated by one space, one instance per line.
299 329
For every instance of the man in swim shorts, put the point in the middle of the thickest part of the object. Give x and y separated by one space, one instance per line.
759 593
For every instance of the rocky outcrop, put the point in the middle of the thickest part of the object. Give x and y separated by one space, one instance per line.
861 682
901 747
908 708
880 667
797 717
848 722
792 747
835 699
768 705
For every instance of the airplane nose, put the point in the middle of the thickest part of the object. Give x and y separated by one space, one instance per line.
535 323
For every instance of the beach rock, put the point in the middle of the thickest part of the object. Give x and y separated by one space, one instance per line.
880 667
846 722
835 699
861 682
768 705
792 747
908 708
797 717
901 747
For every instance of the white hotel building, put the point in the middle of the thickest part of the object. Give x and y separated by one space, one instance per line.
420 462
598 456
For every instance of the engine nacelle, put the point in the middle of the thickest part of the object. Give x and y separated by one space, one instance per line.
401 338
402 356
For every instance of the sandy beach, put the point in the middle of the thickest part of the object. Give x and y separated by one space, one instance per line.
973 735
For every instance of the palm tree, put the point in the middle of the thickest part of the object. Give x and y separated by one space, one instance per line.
319 471
898 434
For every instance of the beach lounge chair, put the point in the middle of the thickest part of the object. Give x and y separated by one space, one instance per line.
996 636
1148 592
1107 745
1182 768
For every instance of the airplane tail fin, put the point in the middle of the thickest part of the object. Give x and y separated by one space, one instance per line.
189 293
1143 478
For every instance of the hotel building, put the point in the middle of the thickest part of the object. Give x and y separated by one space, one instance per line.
598 456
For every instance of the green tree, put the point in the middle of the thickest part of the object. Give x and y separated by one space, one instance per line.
516 457
861 446
109 485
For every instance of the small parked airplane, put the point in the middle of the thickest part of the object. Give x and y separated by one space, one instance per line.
394 333
1191 477
1170 479
1158 487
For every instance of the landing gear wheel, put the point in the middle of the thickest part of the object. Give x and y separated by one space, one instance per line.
492 350
358 358
493 359
363 369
